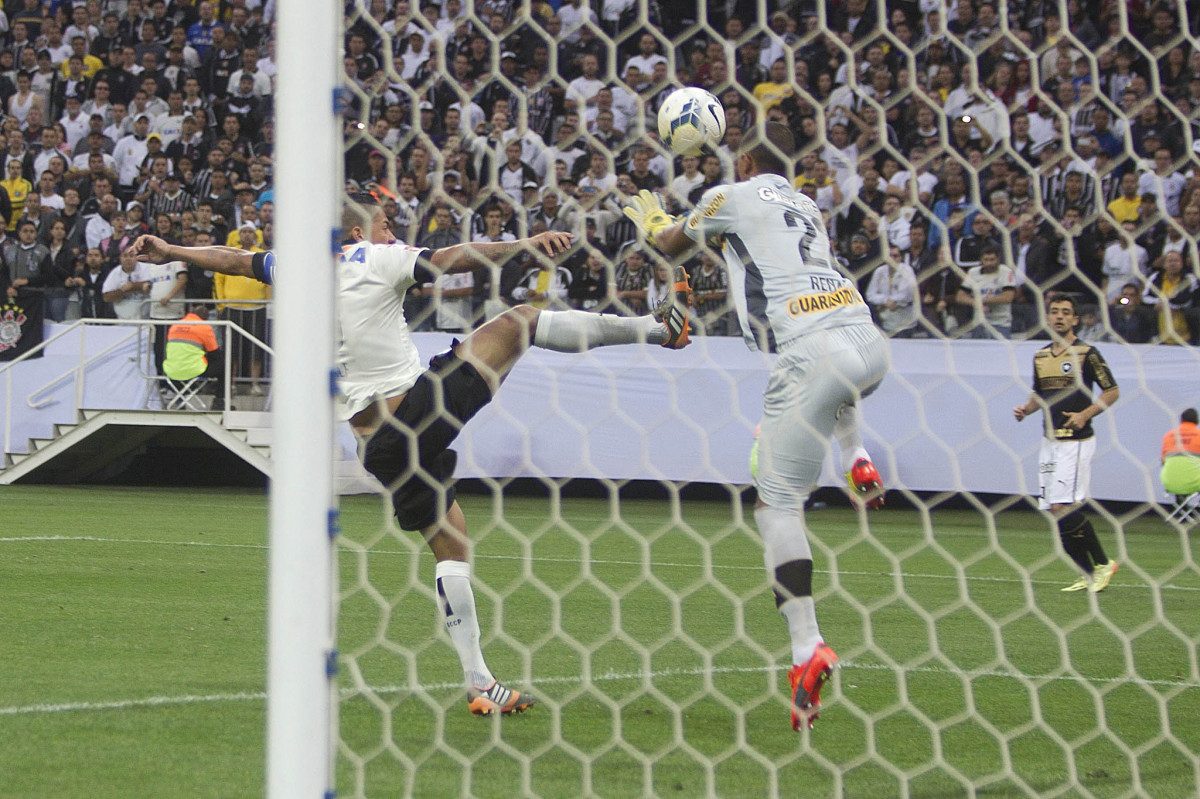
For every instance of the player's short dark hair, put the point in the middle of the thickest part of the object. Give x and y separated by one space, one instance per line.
1059 296
769 147
357 210
989 249
1190 415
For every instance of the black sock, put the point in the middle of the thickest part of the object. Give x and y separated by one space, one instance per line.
1093 544
1074 540
793 579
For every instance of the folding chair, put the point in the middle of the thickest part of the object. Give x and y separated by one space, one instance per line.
1186 511
185 395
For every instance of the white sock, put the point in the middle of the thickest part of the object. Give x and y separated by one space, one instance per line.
845 430
576 331
453 582
784 541
801 617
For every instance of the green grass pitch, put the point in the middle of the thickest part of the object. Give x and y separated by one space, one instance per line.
132 648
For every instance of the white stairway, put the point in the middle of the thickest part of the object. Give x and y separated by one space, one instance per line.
99 437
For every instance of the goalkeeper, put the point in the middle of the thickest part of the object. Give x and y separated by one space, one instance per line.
397 409
790 299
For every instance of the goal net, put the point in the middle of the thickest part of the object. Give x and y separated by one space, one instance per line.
616 566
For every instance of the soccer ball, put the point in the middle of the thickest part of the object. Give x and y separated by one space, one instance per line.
689 120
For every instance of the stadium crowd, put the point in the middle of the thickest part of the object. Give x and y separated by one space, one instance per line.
966 167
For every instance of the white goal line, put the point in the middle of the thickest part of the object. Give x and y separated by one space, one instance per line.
576 679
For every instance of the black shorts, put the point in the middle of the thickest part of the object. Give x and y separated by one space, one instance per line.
409 454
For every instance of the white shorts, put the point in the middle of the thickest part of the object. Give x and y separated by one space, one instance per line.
812 379
1064 471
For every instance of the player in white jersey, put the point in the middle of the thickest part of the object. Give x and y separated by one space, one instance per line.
792 300
397 408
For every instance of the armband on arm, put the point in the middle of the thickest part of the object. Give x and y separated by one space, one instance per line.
263 267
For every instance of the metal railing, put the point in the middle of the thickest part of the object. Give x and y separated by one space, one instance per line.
39 397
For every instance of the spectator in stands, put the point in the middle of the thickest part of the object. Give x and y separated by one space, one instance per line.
441 230
632 281
968 249
1172 294
549 211
544 285
1130 320
589 288
897 222
989 289
167 285
892 294
243 304
954 210
710 166
1164 181
127 287
92 303
1125 207
582 91
1125 261
710 291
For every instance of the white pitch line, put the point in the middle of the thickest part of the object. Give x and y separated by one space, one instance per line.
594 562
575 679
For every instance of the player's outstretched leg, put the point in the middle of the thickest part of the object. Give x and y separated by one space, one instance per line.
866 486
486 696
497 346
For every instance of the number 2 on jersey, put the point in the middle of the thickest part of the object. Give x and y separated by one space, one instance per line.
807 251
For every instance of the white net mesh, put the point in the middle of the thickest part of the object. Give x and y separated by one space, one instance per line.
617 570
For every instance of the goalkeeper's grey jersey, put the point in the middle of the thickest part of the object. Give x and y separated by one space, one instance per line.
782 275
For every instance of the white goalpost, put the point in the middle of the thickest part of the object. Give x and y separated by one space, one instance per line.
301 657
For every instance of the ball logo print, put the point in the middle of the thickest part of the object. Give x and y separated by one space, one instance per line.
690 120
1066 367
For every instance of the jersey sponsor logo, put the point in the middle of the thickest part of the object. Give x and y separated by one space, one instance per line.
797 201
827 301
708 211
1066 367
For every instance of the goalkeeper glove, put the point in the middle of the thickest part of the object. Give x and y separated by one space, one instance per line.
646 211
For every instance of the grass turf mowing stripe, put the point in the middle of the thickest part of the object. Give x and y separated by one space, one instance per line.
603 677
594 561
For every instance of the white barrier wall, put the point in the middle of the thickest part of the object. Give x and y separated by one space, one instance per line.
941 421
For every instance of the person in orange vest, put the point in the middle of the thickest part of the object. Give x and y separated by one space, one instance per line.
192 351
1181 456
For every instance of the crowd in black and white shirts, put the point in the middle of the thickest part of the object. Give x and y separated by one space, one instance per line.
131 118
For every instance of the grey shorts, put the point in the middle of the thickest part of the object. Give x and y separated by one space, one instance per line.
812 379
